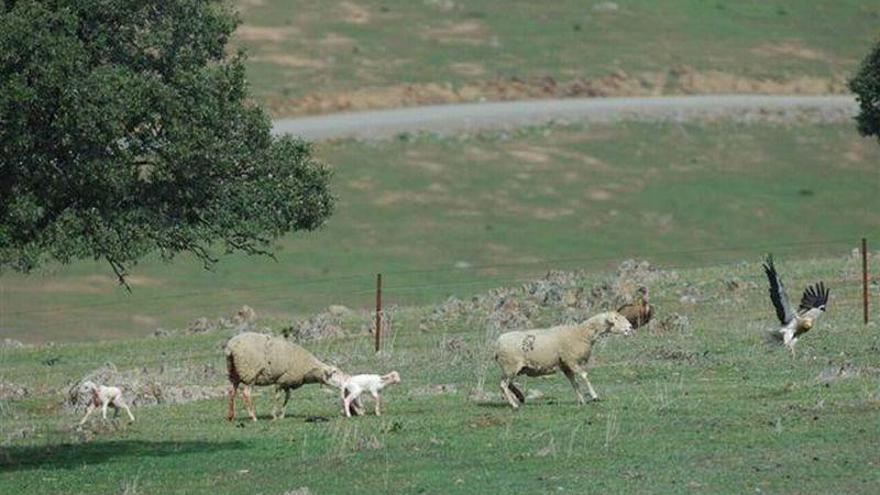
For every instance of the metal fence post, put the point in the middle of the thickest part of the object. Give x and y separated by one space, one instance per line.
378 311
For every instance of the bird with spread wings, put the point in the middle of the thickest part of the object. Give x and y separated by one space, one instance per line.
794 324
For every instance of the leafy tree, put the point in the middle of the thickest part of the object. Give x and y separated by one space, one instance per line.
866 86
126 129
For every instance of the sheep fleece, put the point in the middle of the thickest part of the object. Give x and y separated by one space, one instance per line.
542 351
267 360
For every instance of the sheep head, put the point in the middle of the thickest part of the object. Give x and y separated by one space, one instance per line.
616 323
393 377
334 376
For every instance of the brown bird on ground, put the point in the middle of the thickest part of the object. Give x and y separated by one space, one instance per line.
638 312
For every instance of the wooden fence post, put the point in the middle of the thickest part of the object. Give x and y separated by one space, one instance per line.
378 311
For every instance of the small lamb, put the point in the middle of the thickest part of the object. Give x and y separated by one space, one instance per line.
355 385
103 396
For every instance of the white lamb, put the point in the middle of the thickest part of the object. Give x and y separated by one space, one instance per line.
543 351
103 396
355 385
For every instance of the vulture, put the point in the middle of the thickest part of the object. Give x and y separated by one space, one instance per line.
638 312
794 324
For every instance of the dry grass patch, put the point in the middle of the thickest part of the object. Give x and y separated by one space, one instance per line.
353 13
466 33
468 69
791 48
264 33
287 60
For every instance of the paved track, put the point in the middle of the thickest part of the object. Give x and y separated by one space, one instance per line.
471 117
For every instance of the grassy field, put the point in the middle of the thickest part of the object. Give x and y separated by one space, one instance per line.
441 216
701 407
315 57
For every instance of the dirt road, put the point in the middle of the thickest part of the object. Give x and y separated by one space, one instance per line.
458 118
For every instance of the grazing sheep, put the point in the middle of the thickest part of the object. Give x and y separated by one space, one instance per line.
353 386
258 359
102 396
543 351
639 312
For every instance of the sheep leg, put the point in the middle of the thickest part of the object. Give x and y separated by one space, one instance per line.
583 374
346 405
104 409
230 415
248 403
359 409
89 412
517 392
284 404
378 399
123 405
275 400
508 394
574 384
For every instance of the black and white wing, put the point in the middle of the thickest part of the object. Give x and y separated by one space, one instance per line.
815 297
777 293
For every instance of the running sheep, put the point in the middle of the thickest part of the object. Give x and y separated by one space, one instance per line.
258 359
542 351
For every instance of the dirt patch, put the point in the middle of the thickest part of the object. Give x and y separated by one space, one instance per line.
681 80
287 60
791 48
263 33
597 194
468 69
532 155
466 33
353 13
144 320
336 40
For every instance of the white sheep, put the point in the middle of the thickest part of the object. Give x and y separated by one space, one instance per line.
543 351
103 396
353 386
258 359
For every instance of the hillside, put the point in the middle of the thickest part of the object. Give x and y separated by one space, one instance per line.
464 214
320 57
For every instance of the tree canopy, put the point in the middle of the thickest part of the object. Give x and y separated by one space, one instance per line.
866 86
126 129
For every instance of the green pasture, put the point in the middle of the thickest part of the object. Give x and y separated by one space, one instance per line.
702 407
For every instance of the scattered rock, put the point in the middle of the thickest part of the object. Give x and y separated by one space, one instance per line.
443 388
9 390
201 325
848 369
443 314
8 343
737 285
673 323
160 333
369 443
338 310
481 396
244 318
321 326
510 314
605 7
